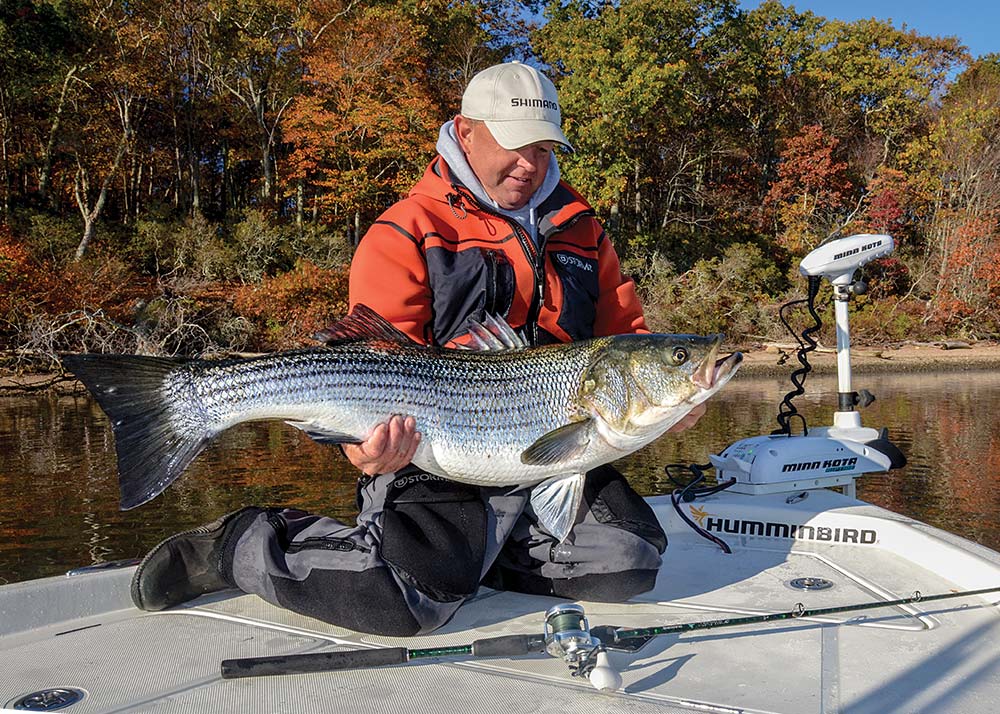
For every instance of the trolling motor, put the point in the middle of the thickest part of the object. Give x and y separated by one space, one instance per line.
825 456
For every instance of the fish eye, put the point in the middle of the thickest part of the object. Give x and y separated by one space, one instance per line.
680 355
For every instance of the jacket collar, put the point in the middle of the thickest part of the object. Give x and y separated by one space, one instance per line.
560 209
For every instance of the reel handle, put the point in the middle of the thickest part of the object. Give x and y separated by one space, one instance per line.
603 676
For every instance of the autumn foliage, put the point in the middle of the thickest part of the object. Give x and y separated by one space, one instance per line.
365 121
811 190
22 280
294 305
192 178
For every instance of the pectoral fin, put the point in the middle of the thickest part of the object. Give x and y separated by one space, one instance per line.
559 445
556 503
322 434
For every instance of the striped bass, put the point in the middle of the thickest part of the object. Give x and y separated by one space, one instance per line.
500 414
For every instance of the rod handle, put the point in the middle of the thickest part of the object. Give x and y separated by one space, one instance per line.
508 646
312 662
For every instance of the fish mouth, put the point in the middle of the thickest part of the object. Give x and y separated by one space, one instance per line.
714 372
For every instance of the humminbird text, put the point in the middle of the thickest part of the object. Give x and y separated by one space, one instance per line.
793 531
827 465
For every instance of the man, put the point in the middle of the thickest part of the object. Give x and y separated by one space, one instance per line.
489 230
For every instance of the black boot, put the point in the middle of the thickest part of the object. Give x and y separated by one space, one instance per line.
189 564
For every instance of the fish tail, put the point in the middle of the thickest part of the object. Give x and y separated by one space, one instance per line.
153 443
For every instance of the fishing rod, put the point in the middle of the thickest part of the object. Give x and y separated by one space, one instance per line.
623 634
566 634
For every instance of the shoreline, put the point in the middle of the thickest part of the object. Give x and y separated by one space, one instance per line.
951 356
758 361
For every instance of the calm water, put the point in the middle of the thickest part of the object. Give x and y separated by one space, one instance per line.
59 495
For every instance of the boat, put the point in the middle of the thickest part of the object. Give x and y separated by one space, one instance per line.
783 593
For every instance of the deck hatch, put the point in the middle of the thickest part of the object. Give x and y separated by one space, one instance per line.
48 700
808 583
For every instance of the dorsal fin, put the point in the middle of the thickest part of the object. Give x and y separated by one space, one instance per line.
493 333
362 323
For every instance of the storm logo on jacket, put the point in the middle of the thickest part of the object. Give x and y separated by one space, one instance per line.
572 261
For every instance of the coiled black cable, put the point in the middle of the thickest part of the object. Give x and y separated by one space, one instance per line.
787 410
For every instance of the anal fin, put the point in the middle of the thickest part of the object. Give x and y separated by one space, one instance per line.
556 503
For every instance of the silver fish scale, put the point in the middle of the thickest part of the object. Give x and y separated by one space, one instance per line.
476 411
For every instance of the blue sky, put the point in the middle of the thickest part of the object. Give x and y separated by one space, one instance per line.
975 22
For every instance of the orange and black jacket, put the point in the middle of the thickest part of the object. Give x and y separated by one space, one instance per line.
438 257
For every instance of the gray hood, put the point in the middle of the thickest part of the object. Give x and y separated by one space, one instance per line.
453 155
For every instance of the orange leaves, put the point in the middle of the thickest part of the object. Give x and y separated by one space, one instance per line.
291 307
37 292
969 280
366 125
20 277
976 251
812 187
889 203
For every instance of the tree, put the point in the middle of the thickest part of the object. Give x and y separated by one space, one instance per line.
762 91
121 82
41 51
462 37
633 87
811 192
255 56
960 159
879 82
367 125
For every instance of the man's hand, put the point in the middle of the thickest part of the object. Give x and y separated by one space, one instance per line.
690 419
388 448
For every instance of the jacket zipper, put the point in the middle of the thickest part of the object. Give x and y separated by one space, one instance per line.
536 259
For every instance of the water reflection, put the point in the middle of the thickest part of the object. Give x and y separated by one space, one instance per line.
59 489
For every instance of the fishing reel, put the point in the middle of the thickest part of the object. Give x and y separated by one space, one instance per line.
567 636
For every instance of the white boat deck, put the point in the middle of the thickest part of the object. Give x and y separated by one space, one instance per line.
82 632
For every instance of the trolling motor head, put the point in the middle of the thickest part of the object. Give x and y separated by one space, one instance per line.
838 260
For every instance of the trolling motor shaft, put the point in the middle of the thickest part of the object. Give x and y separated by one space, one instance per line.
838 261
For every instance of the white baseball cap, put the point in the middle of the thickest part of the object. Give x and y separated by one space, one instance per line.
518 104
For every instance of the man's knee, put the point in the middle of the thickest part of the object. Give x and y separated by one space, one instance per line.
606 587
598 562
613 502
434 536
618 586
367 601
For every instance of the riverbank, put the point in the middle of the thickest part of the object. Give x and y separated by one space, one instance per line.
759 360
915 357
